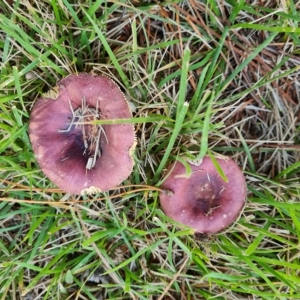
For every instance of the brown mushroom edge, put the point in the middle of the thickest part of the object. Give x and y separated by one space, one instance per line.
204 201
83 158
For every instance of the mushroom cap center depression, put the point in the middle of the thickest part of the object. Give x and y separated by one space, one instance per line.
88 136
207 195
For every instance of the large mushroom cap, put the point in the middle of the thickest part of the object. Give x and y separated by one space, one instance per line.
204 201
83 158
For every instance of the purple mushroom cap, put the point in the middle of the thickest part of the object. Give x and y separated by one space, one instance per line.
204 201
83 158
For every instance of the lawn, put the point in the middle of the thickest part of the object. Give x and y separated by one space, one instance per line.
202 77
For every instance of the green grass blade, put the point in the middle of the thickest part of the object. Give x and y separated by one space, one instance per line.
205 129
108 50
245 62
181 110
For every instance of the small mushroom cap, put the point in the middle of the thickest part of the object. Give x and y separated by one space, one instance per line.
60 154
204 201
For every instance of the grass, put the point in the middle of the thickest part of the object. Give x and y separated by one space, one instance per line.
204 77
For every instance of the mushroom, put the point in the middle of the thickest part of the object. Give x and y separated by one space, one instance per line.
203 200
79 156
